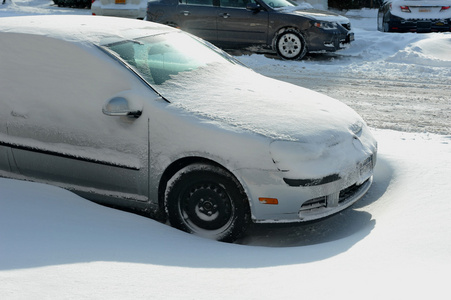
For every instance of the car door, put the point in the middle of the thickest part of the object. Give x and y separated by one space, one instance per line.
198 17
56 127
238 26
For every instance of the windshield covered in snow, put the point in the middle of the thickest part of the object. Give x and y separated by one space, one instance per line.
161 57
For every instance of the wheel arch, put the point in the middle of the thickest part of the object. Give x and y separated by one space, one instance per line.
181 163
281 30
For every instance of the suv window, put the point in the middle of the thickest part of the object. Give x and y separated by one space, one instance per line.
235 3
197 2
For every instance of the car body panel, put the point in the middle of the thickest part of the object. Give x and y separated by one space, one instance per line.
415 16
236 25
53 128
48 140
241 27
197 18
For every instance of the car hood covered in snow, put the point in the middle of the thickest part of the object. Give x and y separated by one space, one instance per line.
246 100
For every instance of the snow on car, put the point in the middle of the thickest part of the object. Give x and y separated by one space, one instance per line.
135 9
414 15
147 118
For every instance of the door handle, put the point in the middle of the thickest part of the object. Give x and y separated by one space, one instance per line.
120 106
185 13
224 15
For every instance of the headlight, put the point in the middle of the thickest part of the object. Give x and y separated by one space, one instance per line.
290 156
325 25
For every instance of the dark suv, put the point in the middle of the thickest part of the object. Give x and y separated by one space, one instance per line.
282 26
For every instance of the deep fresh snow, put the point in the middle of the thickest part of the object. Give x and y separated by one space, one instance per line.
393 244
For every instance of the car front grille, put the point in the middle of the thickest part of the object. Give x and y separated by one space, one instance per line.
321 202
349 191
314 203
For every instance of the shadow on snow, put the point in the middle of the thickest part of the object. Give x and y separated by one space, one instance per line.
41 225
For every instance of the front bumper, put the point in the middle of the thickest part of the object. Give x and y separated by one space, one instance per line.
331 204
321 40
304 202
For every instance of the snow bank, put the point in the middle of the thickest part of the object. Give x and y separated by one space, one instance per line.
432 52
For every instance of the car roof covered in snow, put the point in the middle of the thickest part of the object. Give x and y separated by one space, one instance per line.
97 30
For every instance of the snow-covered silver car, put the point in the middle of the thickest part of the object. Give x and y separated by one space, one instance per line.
147 118
414 15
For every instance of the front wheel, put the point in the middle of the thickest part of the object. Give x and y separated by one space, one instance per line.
290 44
207 201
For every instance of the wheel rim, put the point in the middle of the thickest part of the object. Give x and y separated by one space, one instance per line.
206 208
289 45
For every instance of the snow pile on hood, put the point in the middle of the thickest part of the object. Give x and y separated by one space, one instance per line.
305 9
321 15
247 100
299 6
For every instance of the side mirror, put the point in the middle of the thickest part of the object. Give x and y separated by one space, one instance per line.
253 6
119 106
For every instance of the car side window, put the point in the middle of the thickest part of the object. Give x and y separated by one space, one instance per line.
197 2
235 3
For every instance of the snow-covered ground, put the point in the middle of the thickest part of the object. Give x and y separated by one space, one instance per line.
393 244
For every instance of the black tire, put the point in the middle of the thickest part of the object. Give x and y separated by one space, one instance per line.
290 44
207 201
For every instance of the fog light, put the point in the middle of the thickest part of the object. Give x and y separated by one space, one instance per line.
272 201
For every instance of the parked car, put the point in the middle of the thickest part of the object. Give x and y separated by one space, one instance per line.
148 118
73 3
414 16
135 9
281 26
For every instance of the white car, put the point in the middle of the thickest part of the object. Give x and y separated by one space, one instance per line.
135 9
414 16
147 118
